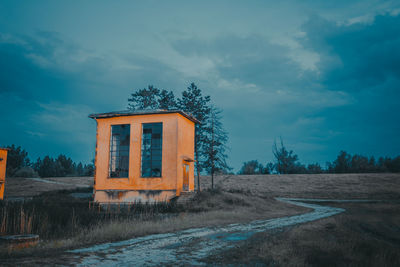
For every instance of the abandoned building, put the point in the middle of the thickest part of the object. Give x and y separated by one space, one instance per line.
144 156
3 163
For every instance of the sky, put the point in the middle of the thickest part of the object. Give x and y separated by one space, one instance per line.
322 75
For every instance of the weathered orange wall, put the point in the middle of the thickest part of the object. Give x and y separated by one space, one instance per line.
3 163
186 150
177 142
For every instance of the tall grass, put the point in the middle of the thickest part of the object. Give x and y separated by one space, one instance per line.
16 220
57 214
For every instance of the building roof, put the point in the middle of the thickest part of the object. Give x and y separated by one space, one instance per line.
141 112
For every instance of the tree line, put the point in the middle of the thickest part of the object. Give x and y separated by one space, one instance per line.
210 136
210 145
287 162
20 165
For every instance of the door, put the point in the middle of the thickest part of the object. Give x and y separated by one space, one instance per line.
185 186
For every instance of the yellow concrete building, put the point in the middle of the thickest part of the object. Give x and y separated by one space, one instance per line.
3 164
143 155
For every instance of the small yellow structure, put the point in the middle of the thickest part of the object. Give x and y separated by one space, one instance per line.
143 155
3 164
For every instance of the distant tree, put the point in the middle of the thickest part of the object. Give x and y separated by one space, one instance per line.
193 102
286 161
252 167
342 164
47 167
214 144
17 158
269 168
79 169
314 168
395 164
382 164
36 165
88 170
19 165
389 165
64 166
372 165
359 164
346 163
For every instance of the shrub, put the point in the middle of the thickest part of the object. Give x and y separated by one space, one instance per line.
26 172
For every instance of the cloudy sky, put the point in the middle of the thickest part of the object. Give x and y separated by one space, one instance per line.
325 76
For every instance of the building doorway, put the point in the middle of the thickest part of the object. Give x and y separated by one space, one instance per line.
186 169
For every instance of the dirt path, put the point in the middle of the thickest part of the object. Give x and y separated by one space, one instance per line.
191 246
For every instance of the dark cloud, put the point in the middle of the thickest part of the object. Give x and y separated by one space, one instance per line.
251 59
28 69
265 94
356 56
32 80
362 60
347 102
48 86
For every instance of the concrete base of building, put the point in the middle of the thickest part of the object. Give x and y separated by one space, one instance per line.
133 196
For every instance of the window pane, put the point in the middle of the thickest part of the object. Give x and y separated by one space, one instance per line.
151 150
119 151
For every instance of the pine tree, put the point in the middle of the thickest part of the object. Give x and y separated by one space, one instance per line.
166 100
286 161
194 103
79 169
214 144
144 99
152 98
88 170
47 168
64 166
17 158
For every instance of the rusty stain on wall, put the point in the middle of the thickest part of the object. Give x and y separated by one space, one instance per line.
115 194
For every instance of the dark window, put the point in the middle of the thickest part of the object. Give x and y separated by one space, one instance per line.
151 149
119 151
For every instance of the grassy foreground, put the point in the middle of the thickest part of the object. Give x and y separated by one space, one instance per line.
64 222
367 234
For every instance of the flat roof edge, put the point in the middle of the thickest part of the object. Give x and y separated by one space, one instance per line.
138 113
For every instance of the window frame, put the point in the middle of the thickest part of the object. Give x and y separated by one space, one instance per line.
151 160
110 151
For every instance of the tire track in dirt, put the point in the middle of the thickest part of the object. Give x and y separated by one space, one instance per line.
190 246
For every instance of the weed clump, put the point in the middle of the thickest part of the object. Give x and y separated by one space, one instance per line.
215 199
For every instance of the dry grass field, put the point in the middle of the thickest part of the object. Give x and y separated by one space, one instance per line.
367 186
28 187
367 234
353 186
